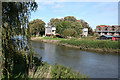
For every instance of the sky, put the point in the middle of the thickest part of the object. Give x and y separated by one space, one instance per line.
94 13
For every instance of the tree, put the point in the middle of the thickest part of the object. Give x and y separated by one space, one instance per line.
69 33
78 27
14 20
70 18
70 22
37 27
61 26
54 21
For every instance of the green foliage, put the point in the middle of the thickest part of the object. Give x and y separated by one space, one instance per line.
78 27
69 33
103 44
53 22
50 38
59 72
70 22
15 22
61 26
70 18
37 27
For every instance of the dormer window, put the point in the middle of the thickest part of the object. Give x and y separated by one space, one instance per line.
113 28
106 28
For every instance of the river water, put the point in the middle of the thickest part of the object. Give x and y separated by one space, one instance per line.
96 65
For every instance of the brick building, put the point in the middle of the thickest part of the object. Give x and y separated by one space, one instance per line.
113 30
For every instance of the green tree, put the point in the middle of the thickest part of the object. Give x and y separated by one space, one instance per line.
78 27
70 22
69 33
54 21
14 21
61 26
37 27
70 18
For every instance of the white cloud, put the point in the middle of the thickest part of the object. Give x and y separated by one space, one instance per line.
57 6
59 17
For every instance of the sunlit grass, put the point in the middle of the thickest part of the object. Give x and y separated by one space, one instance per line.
108 44
50 38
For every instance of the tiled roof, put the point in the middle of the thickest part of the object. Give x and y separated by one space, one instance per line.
108 25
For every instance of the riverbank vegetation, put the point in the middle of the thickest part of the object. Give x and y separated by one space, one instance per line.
59 71
86 43
56 71
107 46
103 44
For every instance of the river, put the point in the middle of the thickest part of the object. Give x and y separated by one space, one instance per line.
96 65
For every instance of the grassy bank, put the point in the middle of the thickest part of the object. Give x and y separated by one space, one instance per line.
56 71
107 46
88 43
103 44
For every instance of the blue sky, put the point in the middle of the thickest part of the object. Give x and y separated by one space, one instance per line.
95 13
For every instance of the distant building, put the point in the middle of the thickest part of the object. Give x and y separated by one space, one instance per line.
85 31
50 30
105 37
108 30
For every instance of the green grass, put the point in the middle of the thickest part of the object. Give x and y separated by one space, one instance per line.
108 44
56 71
89 42
50 38
60 71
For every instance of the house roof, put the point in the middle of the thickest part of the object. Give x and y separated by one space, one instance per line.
107 35
107 25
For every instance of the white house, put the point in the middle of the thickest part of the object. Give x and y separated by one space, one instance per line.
49 30
85 31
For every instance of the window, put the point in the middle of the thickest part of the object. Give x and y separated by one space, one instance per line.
113 28
105 33
52 30
99 28
106 28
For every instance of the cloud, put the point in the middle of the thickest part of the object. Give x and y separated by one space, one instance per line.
57 6
59 17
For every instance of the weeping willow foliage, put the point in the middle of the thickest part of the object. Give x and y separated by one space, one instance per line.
15 15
